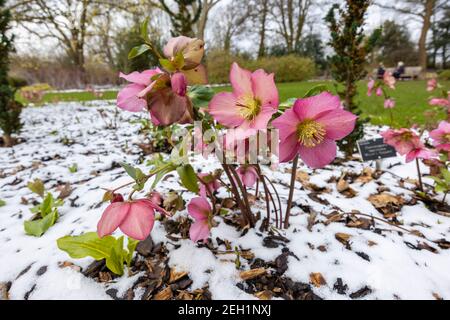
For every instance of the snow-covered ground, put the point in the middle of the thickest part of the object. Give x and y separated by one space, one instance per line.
378 261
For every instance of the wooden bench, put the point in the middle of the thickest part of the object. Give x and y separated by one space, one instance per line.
411 73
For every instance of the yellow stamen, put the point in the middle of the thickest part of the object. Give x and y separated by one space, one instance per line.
310 133
249 107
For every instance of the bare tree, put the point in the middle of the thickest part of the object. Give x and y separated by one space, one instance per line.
290 16
68 21
207 6
423 11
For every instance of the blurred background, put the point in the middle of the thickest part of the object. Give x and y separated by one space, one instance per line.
79 44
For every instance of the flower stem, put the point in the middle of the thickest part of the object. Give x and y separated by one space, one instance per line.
291 192
419 174
244 196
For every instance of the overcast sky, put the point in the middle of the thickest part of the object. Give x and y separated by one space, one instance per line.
28 43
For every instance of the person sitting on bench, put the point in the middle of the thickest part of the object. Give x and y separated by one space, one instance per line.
381 71
400 70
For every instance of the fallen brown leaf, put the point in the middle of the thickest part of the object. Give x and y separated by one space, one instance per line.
252 274
317 279
343 238
165 294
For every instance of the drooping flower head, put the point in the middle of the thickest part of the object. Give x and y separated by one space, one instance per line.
134 218
212 184
432 85
419 151
251 104
403 140
389 80
370 87
200 210
389 103
248 175
311 129
441 136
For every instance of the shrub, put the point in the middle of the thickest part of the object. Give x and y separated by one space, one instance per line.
445 75
287 68
17 82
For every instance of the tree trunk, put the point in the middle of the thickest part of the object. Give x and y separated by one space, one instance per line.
262 32
429 9
7 141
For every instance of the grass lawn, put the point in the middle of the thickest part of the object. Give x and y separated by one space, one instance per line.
411 98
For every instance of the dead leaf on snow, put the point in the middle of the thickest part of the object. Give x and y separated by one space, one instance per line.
317 279
252 274
343 238
165 294
366 177
175 276
264 295
385 199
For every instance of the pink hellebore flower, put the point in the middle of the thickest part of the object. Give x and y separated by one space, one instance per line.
311 128
431 85
133 97
389 103
441 102
403 140
201 211
370 87
212 184
165 97
441 136
133 218
248 175
379 92
419 151
251 104
389 80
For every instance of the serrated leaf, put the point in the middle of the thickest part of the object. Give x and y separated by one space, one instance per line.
38 227
188 178
137 51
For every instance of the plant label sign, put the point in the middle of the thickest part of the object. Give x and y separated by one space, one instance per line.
375 149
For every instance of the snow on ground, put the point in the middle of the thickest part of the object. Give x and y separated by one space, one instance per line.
58 136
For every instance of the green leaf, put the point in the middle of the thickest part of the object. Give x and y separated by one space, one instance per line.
37 186
200 95
137 51
316 90
446 174
178 61
188 178
2 203
47 205
87 245
116 258
131 246
38 227
167 65
144 30
73 168
131 171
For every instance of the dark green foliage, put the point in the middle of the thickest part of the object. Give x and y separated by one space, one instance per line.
352 48
128 39
184 17
9 108
395 45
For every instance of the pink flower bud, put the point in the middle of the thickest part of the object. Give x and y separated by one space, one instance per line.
179 84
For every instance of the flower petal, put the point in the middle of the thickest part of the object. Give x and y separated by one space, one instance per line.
264 88
289 148
128 99
338 123
310 107
223 109
140 220
175 45
199 208
199 231
319 156
197 75
111 219
286 124
167 107
241 81
142 78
